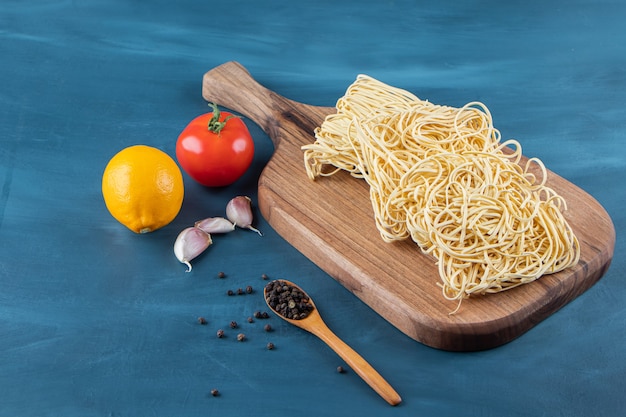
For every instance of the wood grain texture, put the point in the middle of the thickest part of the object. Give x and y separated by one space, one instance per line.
331 221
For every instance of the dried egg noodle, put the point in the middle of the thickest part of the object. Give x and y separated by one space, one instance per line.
440 176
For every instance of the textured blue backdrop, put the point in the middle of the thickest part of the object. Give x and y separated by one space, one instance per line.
96 321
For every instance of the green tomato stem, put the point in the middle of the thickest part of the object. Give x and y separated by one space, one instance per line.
215 125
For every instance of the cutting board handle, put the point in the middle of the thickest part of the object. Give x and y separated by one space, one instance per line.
231 85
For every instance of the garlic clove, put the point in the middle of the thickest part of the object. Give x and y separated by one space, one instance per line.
215 225
239 211
190 243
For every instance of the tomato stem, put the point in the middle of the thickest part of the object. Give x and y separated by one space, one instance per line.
215 125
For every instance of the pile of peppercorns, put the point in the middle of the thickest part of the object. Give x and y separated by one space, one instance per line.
287 300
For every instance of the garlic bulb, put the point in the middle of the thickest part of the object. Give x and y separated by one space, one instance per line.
215 225
190 243
239 211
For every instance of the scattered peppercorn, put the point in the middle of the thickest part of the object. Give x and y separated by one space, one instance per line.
264 315
241 337
267 328
250 320
270 346
340 369
233 324
257 314
215 392
239 291
264 277
249 289
288 300
230 292
221 275
220 333
201 320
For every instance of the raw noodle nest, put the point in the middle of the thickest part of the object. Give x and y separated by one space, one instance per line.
441 176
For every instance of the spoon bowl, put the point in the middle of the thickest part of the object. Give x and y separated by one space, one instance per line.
309 319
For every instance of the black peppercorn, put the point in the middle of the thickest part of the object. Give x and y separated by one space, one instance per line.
270 346
230 292
241 337
265 315
220 333
201 320
257 314
233 324
239 291
267 328
249 289
250 320
340 369
264 276
221 274
215 392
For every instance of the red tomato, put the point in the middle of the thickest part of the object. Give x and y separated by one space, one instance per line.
215 148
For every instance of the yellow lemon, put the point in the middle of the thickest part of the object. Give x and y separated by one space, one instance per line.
143 188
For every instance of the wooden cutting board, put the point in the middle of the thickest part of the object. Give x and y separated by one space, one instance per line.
330 220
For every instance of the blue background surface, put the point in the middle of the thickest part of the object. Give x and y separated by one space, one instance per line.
97 321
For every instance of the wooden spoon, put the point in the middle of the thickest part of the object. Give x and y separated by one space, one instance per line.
313 323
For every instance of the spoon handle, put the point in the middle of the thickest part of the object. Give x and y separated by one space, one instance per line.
360 366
